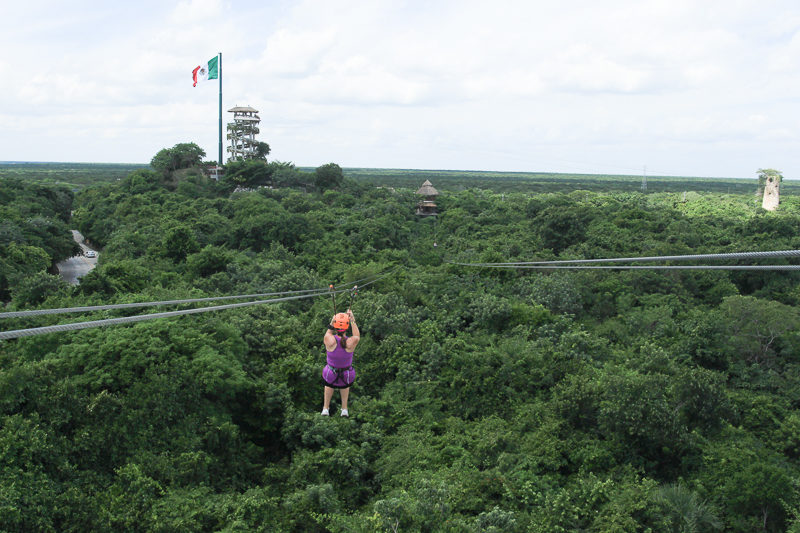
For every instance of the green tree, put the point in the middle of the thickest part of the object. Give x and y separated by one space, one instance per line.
208 261
178 242
249 174
765 175
182 155
286 175
759 490
682 511
141 181
34 289
561 228
262 151
758 327
19 262
328 176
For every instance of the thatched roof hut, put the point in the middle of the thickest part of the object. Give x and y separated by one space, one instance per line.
427 207
427 189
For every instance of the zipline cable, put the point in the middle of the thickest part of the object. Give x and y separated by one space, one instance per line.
354 289
644 267
695 257
17 314
380 277
90 308
14 334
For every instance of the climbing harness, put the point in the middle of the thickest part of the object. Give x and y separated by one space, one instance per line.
341 377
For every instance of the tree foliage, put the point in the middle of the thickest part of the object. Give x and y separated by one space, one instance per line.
328 176
486 400
768 174
182 155
34 235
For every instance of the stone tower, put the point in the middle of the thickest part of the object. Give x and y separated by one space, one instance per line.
770 181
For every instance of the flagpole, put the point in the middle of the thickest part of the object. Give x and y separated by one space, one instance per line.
219 73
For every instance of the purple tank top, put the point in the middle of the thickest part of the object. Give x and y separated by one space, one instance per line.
339 357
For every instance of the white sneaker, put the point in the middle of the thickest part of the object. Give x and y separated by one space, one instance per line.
325 412
345 413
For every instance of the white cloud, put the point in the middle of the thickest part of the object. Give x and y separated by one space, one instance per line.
195 11
295 53
672 84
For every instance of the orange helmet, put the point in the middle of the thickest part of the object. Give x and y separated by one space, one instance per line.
341 321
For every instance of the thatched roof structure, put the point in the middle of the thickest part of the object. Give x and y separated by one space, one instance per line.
427 189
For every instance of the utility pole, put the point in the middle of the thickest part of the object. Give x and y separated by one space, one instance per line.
219 66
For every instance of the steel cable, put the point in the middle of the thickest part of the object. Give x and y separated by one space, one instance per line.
63 310
380 277
695 257
14 334
90 308
644 267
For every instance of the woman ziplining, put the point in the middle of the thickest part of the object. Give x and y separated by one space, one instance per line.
338 372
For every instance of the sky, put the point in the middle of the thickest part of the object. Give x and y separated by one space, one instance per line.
642 87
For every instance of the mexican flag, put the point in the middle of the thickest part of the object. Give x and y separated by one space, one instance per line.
209 71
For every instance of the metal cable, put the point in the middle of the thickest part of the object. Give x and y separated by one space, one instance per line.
89 308
695 257
17 314
14 334
378 278
645 267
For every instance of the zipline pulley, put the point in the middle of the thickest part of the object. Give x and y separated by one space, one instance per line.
353 293
333 295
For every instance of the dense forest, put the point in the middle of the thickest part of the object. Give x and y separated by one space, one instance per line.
531 182
487 400
72 175
77 176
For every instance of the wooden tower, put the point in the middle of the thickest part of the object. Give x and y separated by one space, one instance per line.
427 206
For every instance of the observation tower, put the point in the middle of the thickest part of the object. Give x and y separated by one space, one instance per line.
427 206
242 133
